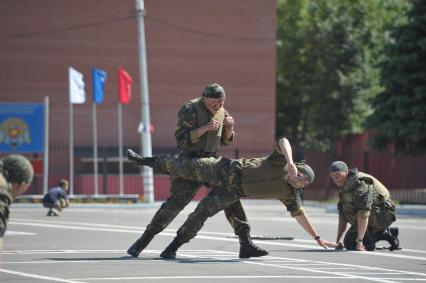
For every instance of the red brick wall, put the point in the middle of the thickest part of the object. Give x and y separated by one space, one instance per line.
190 43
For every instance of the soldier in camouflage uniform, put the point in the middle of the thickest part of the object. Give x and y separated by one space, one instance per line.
16 174
203 125
365 203
275 176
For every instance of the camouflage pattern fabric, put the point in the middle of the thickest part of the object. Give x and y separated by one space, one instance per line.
5 201
17 168
362 196
187 122
216 173
265 177
224 176
214 91
352 234
183 190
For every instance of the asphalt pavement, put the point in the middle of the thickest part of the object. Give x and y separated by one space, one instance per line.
88 243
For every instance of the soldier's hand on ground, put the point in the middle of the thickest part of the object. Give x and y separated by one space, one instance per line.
228 121
339 246
323 243
329 244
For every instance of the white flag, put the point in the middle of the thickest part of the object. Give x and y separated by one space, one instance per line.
77 94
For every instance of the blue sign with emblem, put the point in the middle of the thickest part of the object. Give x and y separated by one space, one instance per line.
21 127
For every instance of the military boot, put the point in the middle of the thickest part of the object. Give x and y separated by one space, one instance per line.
140 244
248 248
170 251
391 236
395 241
139 159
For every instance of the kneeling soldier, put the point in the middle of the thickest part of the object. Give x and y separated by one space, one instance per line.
365 203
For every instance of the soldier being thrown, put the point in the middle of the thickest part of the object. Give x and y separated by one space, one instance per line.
275 176
365 203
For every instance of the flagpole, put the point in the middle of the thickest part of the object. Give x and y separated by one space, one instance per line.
71 150
46 146
120 146
95 148
148 179
76 95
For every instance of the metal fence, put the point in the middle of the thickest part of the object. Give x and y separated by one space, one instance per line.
403 176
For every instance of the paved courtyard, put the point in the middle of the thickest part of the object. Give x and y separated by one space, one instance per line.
87 243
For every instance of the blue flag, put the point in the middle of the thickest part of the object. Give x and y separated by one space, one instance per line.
98 82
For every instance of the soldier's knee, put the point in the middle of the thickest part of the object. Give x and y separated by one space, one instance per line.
349 243
174 204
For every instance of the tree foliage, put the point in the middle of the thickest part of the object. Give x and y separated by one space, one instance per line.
326 77
399 118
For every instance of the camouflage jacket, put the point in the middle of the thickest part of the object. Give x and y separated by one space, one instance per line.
364 195
187 123
5 201
266 178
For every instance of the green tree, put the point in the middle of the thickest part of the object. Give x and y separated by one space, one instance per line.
399 118
326 76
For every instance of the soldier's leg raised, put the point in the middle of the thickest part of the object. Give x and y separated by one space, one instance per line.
209 170
181 193
238 220
214 202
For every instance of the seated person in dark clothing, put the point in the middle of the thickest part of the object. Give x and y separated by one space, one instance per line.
56 199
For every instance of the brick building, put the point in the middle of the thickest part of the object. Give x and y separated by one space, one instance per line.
190 43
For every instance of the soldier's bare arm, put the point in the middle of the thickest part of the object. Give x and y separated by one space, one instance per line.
285 148
303 220
341 228
228 129
363 197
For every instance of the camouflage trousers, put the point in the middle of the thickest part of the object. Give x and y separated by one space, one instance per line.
351 236
380 219
188 175
5 201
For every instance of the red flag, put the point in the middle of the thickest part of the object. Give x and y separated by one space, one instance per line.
124 86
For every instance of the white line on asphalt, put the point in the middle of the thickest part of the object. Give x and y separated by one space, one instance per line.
405 279
326 221
140 230
264 261
121 230
314 270
23 274
344 275
16 233
330 263
214 277
49 261
59 251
